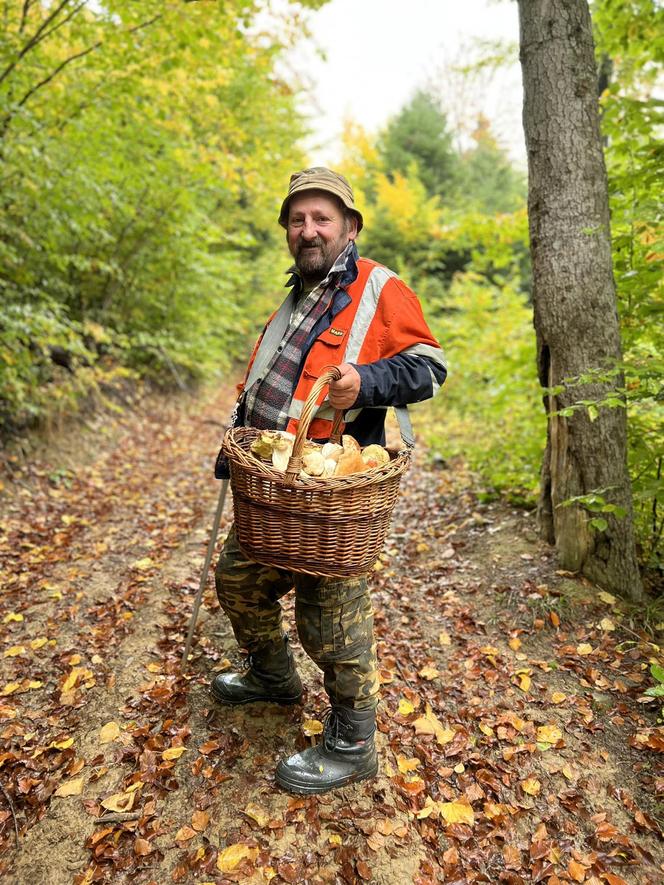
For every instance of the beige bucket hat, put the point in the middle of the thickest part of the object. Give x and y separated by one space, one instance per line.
320 178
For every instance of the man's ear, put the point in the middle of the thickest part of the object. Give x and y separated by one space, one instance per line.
352 228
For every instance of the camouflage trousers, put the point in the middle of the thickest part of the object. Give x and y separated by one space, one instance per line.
334 620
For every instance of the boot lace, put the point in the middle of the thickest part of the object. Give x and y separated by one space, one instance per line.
334 728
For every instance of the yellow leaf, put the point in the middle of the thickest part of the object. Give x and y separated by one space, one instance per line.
173 753
457 812
61 745
460 768
428 672
10 688
230 857
558 697
430 724
154 668
70 788
12 616
524 682
549 734
119 802
405 765
531 786
258 814
143 564
444 638
486 729
429 807
584 648
490 650
310 727
132 788
607 625
335 839
34 683
109 732
607 597
14 651
515 643
38 643
405 707
422 547
72 679
74 660
568 772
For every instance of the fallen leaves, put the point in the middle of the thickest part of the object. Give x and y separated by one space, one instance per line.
73 787
232 856
430 724
109 732
173 753
311 727
549 734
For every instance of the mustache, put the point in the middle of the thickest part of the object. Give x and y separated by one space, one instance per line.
310 244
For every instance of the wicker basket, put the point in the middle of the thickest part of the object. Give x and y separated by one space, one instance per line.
332 527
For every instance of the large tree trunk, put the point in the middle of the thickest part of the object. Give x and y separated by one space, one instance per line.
576 317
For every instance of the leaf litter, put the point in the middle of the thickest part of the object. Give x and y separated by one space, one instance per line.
514 739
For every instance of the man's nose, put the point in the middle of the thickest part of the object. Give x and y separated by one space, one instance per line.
309 231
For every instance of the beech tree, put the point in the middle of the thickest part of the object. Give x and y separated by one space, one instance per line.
585 505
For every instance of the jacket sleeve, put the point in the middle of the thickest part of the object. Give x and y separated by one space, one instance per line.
400 380
406 365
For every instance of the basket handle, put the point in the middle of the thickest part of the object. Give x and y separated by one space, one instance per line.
331 373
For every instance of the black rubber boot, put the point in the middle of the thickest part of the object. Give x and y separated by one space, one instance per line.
346 754
271 677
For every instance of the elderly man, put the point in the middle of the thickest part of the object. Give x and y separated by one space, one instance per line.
354 313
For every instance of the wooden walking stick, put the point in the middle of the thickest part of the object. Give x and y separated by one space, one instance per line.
208 559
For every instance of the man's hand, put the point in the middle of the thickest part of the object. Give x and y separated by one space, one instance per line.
344 392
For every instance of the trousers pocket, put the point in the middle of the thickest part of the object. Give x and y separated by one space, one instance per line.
330 633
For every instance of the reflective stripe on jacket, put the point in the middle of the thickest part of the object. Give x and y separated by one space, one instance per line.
375 323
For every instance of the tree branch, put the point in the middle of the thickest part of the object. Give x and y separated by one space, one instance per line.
24 15
59 68
36 38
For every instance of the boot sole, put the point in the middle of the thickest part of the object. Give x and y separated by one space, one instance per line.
311 789
288 700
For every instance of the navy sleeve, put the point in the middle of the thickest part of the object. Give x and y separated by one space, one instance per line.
398 380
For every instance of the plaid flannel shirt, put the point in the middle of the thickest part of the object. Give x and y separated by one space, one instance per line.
267 401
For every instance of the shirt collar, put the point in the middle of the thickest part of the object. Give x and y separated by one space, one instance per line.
345 266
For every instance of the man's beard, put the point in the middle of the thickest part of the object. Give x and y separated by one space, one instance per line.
315 259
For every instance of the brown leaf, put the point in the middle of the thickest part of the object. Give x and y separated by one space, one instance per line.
576 871
512 857
184 834
142 847
200 820
364 870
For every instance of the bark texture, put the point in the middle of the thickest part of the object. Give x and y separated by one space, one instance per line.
576 318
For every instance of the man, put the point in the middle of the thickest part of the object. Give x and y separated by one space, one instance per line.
354 313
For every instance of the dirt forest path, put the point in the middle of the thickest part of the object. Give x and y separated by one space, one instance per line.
515 741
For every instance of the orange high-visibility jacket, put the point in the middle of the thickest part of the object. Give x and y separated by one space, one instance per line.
375 323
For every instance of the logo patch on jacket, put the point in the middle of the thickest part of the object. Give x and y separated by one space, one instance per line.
338 332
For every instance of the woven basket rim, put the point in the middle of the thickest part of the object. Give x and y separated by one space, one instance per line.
245 460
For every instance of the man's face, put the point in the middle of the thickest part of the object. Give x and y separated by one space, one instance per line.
317 233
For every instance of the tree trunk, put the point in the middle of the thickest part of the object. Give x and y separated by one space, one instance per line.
576 318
